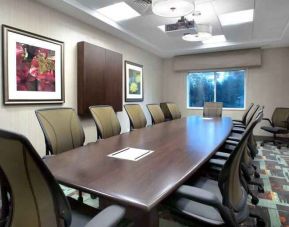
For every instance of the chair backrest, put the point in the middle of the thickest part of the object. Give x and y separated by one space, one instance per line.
234 195
251 114
170 110
156 113
62 129
213 109
244 117
280 117
136 116
106 121
35 199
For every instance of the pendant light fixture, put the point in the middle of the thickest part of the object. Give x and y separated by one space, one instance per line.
172 8
204 32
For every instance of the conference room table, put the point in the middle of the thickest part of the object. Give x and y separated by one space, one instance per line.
180 147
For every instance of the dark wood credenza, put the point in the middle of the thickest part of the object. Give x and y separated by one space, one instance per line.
99 73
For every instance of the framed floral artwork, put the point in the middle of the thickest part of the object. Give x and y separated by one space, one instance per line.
33 70
133 82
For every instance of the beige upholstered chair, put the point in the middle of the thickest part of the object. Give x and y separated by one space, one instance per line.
106 121
213 109
156 113
34 197
136 116
170 110
62 129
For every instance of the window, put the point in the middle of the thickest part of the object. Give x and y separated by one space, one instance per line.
227 87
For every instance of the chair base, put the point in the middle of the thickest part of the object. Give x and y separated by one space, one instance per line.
276 142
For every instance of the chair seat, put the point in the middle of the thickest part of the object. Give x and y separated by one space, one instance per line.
198 210
275 130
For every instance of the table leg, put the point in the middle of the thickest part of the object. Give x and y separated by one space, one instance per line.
147 219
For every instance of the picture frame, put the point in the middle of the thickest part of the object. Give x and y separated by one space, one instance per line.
134 91
33 68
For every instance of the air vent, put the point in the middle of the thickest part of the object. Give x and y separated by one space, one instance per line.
141 6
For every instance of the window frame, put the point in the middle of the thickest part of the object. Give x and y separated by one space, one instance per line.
215 90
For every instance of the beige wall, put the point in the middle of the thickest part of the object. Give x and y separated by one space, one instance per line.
267 85
39 19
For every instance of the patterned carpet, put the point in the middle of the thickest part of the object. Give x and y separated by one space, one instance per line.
273 165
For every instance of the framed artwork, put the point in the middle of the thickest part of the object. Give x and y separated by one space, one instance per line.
133 82
33 70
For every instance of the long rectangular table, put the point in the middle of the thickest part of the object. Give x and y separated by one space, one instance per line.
180 148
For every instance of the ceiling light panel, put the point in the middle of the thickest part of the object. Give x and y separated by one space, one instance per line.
118 12
240 17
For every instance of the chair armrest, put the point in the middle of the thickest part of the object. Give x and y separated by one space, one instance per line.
199 195
267 119
109 217
232 141
238 130
207 198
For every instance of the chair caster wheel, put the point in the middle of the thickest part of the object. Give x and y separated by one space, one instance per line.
93 196
254 200
257 175
261 222
261 189
254 166
262 144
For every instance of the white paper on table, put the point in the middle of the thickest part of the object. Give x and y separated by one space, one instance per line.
132 154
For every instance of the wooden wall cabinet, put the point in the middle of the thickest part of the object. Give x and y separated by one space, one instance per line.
99 77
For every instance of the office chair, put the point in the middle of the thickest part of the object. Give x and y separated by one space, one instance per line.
213 109
217 203
61 128
35 198
244 117
106 121
240 128
156 113
279 124
136 116
62 131
170 110
249 171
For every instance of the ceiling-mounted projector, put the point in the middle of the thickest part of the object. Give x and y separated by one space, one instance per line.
183 26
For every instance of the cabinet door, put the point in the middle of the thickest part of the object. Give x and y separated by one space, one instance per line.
91 68
99 78
113 80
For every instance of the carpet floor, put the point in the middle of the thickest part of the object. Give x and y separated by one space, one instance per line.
273 165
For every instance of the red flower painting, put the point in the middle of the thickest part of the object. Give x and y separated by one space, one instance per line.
35 68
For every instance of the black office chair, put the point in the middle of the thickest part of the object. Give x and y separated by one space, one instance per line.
218 203
279 124
249 170
244 117
34 197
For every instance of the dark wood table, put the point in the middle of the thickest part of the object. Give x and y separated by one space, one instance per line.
180 148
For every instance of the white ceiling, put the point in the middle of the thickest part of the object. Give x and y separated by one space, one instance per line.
269 29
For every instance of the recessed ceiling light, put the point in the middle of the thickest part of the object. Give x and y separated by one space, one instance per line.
239 17
118 12
215 39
